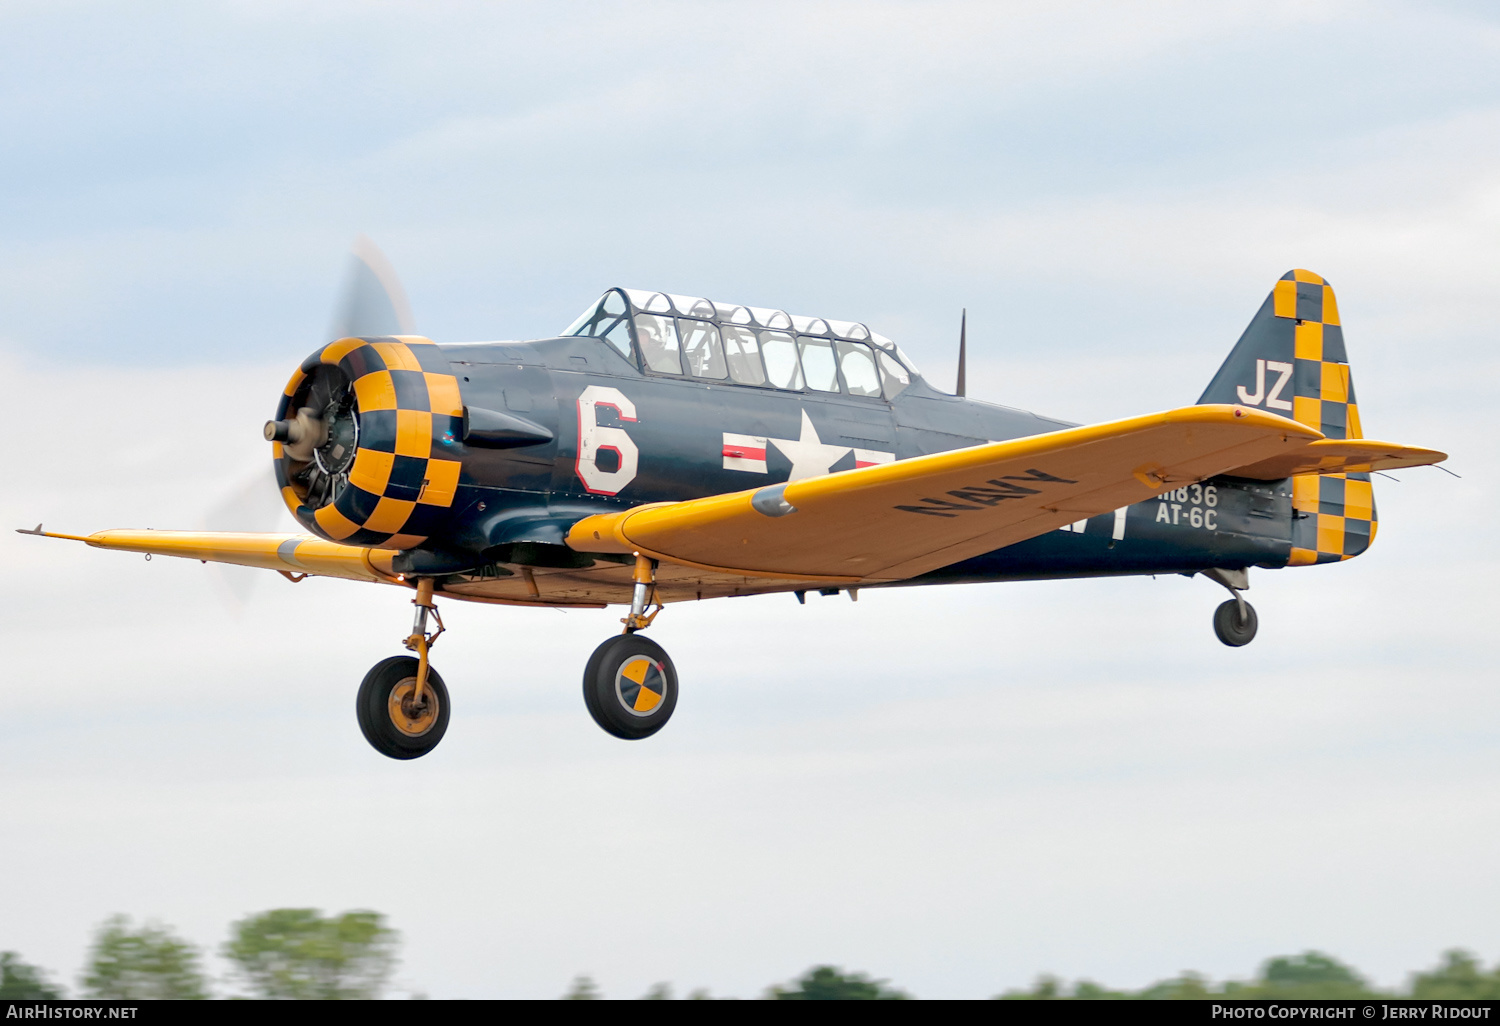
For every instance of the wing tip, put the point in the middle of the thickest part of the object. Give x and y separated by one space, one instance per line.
40 533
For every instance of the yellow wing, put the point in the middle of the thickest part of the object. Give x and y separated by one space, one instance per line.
898 520
288 553
296 555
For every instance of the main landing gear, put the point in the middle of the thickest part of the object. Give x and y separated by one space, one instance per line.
403 704
1235 621
630 684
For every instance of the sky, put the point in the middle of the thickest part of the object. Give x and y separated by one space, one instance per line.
955 789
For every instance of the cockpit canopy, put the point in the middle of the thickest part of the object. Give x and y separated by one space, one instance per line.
684 336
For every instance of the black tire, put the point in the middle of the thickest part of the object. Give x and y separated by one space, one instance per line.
382 688
1231 629
630 687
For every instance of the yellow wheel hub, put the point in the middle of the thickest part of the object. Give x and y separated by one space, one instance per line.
640 684
407 716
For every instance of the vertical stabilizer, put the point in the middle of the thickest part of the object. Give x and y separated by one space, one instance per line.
1291 361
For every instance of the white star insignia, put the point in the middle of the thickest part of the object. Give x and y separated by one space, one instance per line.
809 455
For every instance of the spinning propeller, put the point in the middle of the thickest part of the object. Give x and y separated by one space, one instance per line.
324 431
374 303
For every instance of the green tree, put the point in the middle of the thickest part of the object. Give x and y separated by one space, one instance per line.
1311 974
1188 986
1047 988
829 983
1459 977
149 963
23 982
1050 988
297 953
583 988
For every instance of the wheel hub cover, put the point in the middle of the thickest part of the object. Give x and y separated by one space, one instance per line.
640 685
406 716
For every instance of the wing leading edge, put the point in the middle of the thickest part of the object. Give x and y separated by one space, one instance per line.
898 520
288 553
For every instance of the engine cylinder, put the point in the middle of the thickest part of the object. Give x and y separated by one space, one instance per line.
367 441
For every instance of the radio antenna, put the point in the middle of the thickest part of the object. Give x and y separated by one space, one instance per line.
963 351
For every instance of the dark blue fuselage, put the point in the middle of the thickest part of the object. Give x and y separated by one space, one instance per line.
622 437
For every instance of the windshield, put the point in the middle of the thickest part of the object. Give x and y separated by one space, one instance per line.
608 319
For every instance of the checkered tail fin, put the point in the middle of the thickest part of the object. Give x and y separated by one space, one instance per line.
1291 361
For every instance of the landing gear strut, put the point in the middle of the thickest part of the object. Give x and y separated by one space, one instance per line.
1235 621
630 684
403 704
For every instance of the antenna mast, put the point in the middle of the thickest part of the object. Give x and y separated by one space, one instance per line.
963 351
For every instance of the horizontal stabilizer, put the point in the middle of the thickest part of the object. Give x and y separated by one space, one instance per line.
1340 456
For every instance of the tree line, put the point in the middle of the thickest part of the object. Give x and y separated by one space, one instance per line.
299 953
283 953
1458 976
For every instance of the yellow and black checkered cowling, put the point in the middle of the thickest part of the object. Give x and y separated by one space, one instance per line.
407 462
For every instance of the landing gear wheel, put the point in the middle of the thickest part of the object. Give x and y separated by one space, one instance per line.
1233 629
630 687
391 721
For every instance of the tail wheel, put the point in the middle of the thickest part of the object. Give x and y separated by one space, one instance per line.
395 724
630 687
1233 627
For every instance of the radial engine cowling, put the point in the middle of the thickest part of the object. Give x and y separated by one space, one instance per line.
367 441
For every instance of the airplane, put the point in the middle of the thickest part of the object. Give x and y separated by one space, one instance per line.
666 448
